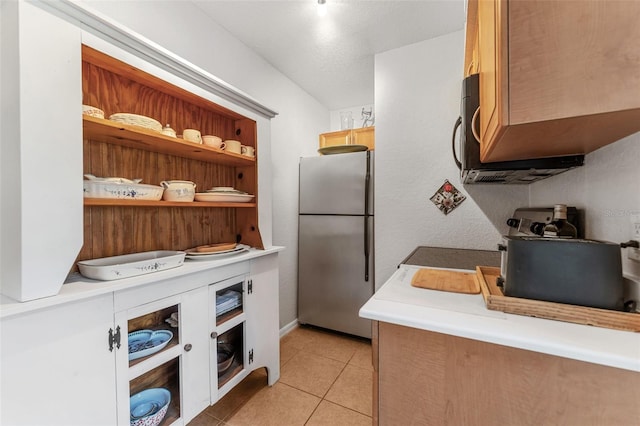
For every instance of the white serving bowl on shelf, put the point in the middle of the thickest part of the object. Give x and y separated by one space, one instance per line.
121 190
130 265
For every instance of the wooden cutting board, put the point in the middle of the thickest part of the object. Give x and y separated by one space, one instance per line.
437 279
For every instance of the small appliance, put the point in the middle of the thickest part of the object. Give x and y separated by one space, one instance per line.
573 271
473 171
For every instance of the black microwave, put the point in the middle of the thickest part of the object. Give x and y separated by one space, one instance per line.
472 171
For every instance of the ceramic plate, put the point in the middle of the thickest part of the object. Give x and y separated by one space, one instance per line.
212 248
146 342
217 255
342 149
225 197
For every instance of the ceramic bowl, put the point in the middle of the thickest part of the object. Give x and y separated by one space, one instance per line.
178 190
148 408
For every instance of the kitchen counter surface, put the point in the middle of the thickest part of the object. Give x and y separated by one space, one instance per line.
465 315
78 287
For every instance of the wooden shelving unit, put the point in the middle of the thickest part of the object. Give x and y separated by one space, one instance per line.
111 132
146 203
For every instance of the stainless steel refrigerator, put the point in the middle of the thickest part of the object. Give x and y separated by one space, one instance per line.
335 241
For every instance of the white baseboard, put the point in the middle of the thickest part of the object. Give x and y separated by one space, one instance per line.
288 328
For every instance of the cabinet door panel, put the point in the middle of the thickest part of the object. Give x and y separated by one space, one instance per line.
566 59
493 78
194 318
335 138
57 368
262 316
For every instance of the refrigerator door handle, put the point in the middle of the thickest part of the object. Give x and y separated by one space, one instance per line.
366 248
367 183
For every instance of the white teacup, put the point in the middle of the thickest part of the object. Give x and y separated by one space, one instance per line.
233 146
192 135
213 141
249 151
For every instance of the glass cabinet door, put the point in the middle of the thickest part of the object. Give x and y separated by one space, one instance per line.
228 345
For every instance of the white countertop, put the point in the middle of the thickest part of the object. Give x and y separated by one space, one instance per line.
465 315
78 287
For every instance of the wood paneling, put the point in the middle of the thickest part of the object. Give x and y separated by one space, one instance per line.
428 378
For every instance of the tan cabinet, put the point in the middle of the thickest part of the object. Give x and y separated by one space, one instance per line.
427 378
362 136
556 77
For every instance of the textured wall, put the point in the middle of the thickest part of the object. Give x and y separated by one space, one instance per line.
607 187
417 101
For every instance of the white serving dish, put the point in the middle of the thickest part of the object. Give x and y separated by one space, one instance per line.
225 197
92 111
121 190
136 120
130 265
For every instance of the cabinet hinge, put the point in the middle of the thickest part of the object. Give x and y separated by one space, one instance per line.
250 286
114 338
250 356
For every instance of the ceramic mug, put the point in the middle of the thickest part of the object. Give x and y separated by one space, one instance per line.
233 146
247 150
192 135
213 141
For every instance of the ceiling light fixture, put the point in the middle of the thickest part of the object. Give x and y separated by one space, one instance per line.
322 7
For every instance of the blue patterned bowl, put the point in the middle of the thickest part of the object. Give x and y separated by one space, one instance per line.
148 408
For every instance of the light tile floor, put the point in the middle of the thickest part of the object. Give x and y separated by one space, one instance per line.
325 379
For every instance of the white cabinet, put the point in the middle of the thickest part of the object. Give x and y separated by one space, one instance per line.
41 151
249 331
56 366
231 352
263 315
178 367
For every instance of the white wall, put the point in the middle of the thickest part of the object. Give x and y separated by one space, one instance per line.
356 114
607 187
417 101
183 29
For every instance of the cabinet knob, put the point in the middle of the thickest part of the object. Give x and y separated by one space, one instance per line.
188 347
214 334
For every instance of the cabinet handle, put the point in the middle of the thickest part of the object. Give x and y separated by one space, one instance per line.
187 347
474 119
214 334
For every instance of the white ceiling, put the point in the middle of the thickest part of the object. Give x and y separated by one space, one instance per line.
332 57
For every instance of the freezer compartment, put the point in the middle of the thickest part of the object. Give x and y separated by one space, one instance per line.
335 271
337 184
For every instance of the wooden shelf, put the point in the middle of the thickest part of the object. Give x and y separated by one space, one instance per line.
111 132
146 203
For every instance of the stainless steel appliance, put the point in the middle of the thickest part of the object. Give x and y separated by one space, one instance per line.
472 171
335 241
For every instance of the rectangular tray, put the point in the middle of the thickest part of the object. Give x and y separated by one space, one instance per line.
130 265
496 301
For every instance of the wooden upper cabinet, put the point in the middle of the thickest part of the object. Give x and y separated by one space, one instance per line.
361 136
556 77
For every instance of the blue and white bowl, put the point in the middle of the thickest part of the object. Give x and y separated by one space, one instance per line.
148 408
